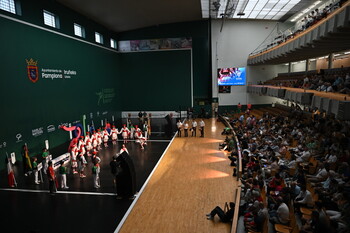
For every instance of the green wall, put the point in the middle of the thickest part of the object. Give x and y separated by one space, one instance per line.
105 83
199 32
27 106
156 80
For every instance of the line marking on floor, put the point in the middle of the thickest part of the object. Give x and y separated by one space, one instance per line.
121 223
58 192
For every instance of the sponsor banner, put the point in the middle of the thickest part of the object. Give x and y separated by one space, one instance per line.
19 138
47 73
37 132
105 96
50 128
155 44
3 145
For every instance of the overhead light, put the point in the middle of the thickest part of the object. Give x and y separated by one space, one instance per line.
313 59
347 52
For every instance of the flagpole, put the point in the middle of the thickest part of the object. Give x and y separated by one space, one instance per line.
14 177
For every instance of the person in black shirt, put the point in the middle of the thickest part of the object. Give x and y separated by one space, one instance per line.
224 216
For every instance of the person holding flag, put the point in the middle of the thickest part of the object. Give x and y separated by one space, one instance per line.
10 174
27 165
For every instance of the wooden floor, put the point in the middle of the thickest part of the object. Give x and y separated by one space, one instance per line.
192 178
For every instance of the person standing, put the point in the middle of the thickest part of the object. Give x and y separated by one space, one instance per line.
239 108
179 127
95 175
63 174
145 129
194 128
186 128
35 169
81 165
52 178
45 157
27 165
113 164
201 125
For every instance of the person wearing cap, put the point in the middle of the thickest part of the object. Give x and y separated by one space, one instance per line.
94 140
81 146
105 137
114 134
88 144
63 174
74 154
125 133
99 138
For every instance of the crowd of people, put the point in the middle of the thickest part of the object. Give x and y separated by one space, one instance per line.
309 20
295 167
338 82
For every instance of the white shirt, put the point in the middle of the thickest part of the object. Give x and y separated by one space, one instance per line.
179 124
201 124
194 123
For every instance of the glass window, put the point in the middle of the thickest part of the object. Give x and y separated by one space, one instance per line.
98 38
50 19
113 44
8 5
79 30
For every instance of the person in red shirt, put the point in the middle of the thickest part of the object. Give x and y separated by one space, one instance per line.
52 178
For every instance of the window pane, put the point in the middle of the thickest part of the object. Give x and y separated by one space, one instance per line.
113 44
98 38
78 30
8 5
49 19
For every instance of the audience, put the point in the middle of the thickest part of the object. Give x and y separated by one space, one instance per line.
291 161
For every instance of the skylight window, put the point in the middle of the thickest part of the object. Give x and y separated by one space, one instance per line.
249 9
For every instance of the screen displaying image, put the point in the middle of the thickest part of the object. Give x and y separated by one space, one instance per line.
231 76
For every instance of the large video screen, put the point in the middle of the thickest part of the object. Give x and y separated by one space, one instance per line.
231 76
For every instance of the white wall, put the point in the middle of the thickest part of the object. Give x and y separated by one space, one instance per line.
231 48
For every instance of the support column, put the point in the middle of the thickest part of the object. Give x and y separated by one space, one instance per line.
307 65
330 61
289 68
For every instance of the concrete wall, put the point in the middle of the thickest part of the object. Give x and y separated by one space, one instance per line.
231 48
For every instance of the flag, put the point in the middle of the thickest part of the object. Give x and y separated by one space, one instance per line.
10 174
29 164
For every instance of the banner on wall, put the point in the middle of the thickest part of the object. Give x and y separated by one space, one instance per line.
155 44
34 72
